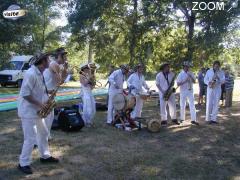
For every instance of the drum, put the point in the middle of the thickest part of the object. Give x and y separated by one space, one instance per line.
130 101
153 125
144 96
122 102
118 102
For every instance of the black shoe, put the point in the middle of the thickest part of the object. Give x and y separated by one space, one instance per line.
175 121
49 160
181 121
213 122
195 123
164 123
25 169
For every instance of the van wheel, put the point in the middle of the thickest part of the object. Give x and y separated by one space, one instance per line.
19 83
3 85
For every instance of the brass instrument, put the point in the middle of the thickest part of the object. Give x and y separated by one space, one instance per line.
91 76
214 80
170 89
190 85
50 104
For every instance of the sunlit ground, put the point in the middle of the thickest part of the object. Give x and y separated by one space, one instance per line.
176 152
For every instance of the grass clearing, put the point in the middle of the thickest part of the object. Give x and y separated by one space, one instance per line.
176 152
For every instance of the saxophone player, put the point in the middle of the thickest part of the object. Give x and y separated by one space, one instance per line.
163 81
214 79
32 98
185 81
55 75
89 105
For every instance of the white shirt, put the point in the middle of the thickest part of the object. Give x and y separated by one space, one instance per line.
116 79
32 85
209 76
182 77
50 77
162 81
138 82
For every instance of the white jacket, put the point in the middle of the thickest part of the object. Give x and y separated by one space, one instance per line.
138 82
209 76
116 79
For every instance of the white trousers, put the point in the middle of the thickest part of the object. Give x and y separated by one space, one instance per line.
89 106
110 113
137 112
213 98
30 136
49 120
163 107
184 96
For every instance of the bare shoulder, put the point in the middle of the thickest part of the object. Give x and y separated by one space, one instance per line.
55 67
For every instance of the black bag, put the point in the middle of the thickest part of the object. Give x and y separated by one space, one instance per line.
70 120
55 124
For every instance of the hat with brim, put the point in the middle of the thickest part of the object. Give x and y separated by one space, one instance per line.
125 67
187 63
89 65
139 65
60 51
38 57
163 65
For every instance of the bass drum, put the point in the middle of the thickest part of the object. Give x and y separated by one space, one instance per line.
122 102
118 102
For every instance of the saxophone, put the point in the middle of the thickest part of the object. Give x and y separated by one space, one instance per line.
214 80
190 85
170 89
50 104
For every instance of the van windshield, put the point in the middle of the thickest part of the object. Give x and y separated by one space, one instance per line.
15 65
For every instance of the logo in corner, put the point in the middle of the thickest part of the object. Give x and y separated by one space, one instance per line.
14 12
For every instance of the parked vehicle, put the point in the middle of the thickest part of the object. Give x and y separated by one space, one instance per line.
14 72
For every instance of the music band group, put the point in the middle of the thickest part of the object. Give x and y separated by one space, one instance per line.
44 77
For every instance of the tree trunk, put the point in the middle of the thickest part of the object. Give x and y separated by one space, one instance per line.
90 52
133 32
190 43
44 26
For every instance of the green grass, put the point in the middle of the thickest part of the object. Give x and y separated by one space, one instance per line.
176 152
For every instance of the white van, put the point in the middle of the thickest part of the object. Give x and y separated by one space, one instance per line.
13 75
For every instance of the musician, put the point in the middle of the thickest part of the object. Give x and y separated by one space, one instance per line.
111 68
163 81
54 76
32 97
116 80
214 79
89 105
185 81
137 85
